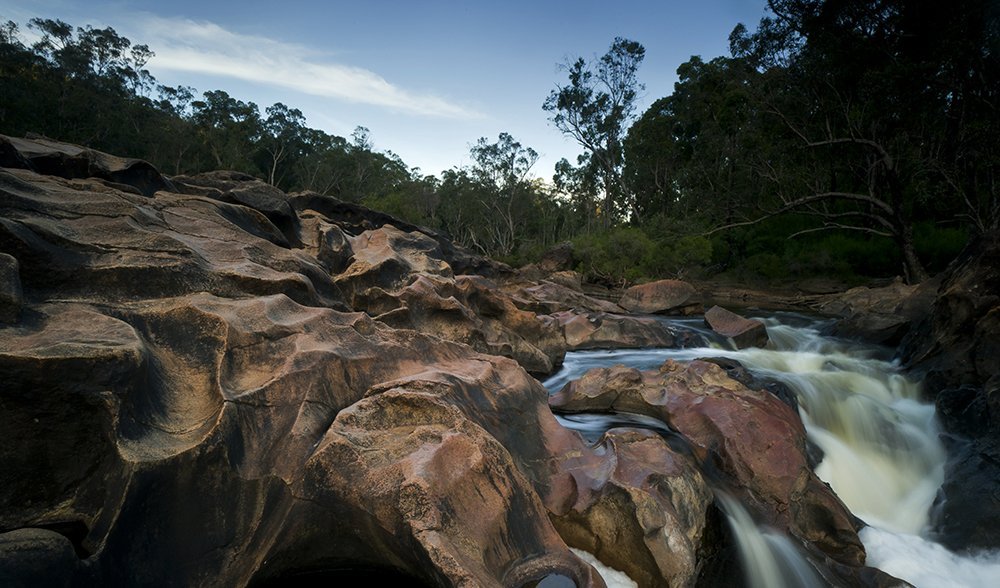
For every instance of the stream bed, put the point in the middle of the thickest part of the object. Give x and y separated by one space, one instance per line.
881 448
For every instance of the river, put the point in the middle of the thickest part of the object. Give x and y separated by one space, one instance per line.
881 449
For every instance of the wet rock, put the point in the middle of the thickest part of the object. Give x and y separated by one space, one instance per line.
639 506
662 297
742 331
11 296
755 443
958 346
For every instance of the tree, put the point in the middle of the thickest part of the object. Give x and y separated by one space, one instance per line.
882 107
501 170
595 108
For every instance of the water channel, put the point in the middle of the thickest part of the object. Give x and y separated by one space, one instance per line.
881 448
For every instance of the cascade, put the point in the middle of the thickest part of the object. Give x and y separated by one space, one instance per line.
881 449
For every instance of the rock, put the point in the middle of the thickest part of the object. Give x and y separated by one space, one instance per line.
109 245
765 464
558 258
662 297
388 258
37 557
66 160
470 310
547 297
11 296
881 315
183 391
355 219
958 346
600 330
639 506
742 331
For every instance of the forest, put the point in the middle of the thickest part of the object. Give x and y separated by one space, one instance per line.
851 139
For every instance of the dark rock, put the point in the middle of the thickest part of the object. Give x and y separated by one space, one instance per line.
37 557
11 296
662 297
69 161
743 332
958 346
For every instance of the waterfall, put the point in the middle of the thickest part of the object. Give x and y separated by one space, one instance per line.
881 449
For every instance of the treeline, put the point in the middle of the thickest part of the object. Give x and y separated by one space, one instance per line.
91 86
849 138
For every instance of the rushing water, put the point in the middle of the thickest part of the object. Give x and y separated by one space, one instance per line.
881 449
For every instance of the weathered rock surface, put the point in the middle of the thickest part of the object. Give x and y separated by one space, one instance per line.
958 347
881 315
192 405
754 441
69 161
470 310
742 331
639 506
601 330
662 297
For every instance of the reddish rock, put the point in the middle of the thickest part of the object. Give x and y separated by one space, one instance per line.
756 441
662 297
743 332
600 330
639 507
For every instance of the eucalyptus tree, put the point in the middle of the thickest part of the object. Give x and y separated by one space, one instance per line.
595 107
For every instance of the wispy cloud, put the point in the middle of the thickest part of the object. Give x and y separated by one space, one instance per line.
207 48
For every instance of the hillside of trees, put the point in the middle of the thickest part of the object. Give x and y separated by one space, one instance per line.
850 139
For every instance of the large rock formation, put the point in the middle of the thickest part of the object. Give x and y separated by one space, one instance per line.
209 382
751 440
958 348
193 405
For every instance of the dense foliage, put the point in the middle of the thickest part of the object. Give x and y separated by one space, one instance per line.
842 138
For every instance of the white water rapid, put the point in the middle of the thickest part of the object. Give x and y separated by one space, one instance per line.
881 449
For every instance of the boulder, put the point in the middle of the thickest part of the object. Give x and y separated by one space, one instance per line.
547 297
640 506
743 332
662 297
470 310
601 330
765 464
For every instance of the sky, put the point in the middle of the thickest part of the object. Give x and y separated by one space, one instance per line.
427 78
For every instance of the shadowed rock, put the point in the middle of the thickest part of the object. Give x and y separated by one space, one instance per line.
69 161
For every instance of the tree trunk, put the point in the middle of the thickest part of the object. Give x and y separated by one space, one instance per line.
912 268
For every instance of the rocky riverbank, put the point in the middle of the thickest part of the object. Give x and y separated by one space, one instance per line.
207 381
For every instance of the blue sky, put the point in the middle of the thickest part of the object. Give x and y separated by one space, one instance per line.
427 78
